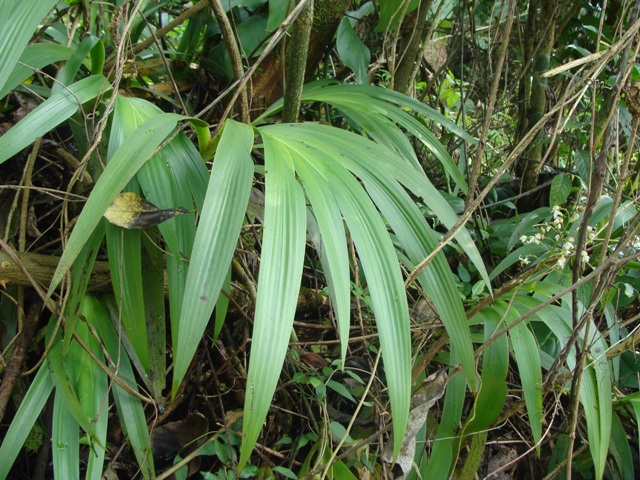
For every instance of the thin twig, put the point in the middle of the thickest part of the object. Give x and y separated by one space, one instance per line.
234 55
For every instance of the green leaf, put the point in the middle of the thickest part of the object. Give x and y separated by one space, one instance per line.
72 67
123 166
216 237
280 275
373 244
19 20
444 452
24 419
352 51
560 189
528 360
332 246
595 393
130 410
35 56
495 366
377 168
392 12
620 449
174 177
65 444
58 108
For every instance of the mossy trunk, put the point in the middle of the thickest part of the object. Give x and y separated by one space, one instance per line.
268 83
542 28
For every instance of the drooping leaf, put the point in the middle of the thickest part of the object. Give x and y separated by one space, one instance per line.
352 51
220 222
50 114
280 274
19 20
35 56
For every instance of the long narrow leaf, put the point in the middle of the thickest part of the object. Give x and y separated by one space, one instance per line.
35 56
375 166
528 359
19 20
216 237
50 114
24 419
130 410
333 250
279 284
122 167
65 442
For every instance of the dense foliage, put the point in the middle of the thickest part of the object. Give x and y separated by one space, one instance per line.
255 238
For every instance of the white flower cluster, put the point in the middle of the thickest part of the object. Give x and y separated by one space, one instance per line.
568 247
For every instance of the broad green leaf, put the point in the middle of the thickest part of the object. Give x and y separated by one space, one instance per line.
620 449
387 165
154 309
279 283
372 105
92 386
375 166
352 51
80 275
632 398
50 114
175 177
125 263
24 419
384 280
35 56
65 388
18 21
374 247
123 166
560 189
218 229
392 12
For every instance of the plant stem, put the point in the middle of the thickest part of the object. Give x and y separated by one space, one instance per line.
234 55
296 64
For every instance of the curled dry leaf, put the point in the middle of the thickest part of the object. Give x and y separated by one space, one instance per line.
131 211
422 400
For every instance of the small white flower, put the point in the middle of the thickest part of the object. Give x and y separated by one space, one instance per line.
584 256
575 217
557 214
567 247
523 238
524 260
561 261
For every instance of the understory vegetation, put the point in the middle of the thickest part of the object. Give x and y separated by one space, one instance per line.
325 239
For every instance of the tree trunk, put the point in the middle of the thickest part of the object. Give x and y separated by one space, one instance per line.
268 83
413 36
541 27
